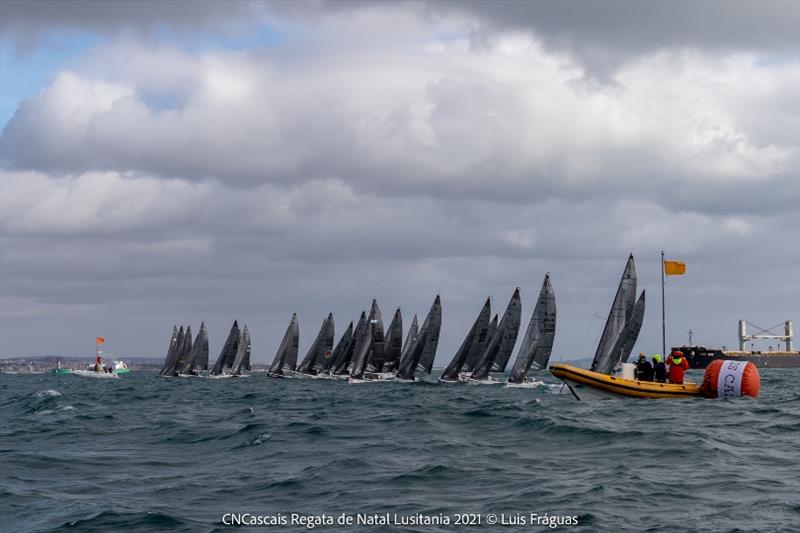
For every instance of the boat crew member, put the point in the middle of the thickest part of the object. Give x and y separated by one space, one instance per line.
644 370
659 369
677 366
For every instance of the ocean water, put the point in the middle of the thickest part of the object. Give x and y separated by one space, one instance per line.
145 453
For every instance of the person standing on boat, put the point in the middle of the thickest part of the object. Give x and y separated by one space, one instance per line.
644 370
677 366
659 369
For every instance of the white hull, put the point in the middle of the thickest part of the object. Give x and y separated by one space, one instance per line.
93 374
488 381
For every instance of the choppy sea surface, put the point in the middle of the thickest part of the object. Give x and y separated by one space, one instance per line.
145 453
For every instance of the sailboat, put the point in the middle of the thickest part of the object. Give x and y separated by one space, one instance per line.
175 344
477 350
421 353
286 356
616 343
538 341
472 343
501 342
393 344
622 325
344 361
197 360
241 363
323 344
411 338
378 348
338 353
228 353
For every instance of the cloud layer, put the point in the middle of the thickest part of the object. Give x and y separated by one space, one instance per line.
389 152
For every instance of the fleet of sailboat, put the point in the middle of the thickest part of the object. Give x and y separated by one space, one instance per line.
368 352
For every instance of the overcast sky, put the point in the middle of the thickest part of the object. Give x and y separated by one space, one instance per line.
174 162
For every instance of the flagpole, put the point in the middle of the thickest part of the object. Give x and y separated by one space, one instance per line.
663 319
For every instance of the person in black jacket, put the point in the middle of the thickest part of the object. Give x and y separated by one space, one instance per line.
644 370
659 369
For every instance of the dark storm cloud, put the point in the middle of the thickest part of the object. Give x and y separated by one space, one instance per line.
608 33
26 22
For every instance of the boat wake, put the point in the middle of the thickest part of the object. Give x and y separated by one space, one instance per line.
526 385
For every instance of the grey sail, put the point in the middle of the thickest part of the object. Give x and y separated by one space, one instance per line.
228 352
474 337
376 355
241 362
362 339
621 310
364 352
184 354
198 356
425 363
393 345
326 349
507 345
322 344
171 350
341 348
477 349
411 338
630 333
172 358
286 356
200 361
426 342
538 341
343 363
503 339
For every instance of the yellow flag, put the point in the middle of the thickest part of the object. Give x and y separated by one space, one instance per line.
100 340
674 268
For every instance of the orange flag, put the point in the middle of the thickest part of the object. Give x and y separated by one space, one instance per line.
100 340
674 268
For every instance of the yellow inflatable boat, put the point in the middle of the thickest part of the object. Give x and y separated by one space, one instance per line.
587 385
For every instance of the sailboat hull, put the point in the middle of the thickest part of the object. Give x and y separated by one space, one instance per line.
587 385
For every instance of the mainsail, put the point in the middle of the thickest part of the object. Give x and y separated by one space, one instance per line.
477 349
620 313
377 348
179 353
322 344
228 352
242 360
198 357
627 338
342 347
424 346
183 355
393 343
411 338
425 362
286 356
538 341
474 337
173 343
343 362
364 351
503 339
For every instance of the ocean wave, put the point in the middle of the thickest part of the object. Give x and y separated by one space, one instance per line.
49 393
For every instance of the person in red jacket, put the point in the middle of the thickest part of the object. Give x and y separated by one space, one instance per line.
677 364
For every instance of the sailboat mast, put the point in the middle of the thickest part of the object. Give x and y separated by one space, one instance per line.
663 319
